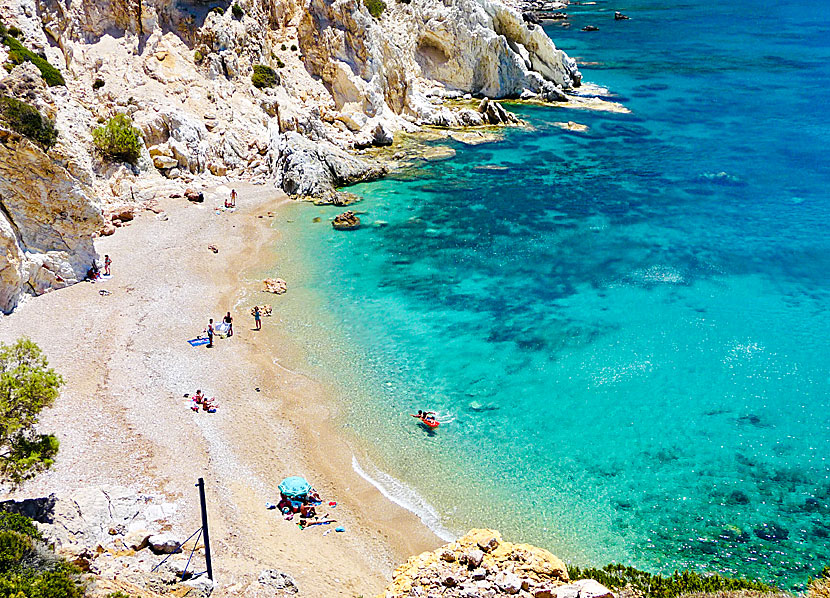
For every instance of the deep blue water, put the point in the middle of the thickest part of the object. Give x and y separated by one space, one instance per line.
625 329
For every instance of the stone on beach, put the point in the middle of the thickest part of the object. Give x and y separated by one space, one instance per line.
275 285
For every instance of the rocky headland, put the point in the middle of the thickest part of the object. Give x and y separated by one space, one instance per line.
277 92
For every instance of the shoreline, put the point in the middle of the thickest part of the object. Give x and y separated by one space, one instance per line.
128 398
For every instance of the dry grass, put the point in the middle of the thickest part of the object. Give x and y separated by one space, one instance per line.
819 588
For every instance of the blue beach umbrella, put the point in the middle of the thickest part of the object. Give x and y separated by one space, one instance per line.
295 487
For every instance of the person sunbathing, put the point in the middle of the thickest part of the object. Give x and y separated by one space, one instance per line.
209 405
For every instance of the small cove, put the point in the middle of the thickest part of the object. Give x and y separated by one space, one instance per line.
624 329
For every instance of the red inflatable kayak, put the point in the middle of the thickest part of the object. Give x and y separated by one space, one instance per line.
432 423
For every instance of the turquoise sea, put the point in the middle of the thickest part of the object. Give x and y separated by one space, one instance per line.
625 331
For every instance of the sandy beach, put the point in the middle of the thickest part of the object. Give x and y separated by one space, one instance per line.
122 418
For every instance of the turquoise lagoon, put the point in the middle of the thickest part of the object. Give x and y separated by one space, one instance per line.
625 331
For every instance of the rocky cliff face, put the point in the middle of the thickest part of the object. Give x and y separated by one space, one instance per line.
182 71
482 564
48 213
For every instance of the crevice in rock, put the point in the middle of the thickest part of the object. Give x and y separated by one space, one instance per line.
17 236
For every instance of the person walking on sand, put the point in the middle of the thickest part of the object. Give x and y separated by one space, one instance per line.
257 318
210 334
107 263
233 198
229 321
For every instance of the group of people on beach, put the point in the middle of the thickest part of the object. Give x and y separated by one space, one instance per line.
94 273
200 401
226 328
231 201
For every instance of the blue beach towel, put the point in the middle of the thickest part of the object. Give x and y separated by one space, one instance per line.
195 342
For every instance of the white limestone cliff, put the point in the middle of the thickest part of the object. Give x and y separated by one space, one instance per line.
182 72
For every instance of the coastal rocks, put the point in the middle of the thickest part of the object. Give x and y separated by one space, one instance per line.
482 564
495 114
278 580
346 221
315 170
275 285
386 67
572 126
590 28
618 16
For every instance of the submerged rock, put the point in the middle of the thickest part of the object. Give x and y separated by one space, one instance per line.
346 221
772 532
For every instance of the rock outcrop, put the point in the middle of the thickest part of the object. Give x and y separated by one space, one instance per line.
115 536
48 211
482 564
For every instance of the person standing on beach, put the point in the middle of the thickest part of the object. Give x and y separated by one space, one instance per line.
257 318
233 198
229 321
107 263
210 334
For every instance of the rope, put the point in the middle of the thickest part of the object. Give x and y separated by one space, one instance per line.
198 531
195 544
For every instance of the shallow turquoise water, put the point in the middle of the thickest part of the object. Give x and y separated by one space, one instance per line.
626 330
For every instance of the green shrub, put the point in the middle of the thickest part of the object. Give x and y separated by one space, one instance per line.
197 57
293 47
264 76
237 11
18 54
9 67
658 586
15 32
376 7
97 84
283 48
18 523
59 581
118 594
280 63
28 121
218 10
118 139
14 547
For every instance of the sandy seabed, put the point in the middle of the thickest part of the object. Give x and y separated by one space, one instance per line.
122 418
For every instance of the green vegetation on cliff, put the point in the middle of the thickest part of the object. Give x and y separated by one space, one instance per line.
28 121
264 76
27 386
376 7
27 568
19 54
618 577
118 139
